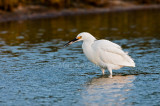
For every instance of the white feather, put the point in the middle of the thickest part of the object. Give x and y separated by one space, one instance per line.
111 53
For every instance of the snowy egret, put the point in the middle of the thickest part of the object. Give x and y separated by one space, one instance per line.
103 53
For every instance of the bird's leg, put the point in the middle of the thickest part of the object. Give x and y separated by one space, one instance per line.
110 71
103 70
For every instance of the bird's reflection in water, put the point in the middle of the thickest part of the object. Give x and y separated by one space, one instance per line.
111 91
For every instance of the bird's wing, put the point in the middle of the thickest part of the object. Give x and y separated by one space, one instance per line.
108 46
112 53
108 43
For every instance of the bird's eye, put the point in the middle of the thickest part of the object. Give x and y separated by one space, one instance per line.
79 37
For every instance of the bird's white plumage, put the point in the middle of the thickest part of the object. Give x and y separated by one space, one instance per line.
111 53
104 53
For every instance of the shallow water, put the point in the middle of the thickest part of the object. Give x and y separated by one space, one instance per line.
35 68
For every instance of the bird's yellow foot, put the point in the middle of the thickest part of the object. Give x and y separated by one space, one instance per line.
110 76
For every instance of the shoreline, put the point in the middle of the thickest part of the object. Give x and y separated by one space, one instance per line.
52 13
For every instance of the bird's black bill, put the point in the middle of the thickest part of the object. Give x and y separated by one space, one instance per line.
70 42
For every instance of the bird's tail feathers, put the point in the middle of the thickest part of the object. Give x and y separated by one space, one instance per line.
130 62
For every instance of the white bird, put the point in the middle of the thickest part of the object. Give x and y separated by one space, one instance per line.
103 53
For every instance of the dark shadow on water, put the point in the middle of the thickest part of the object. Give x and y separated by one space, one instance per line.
121 73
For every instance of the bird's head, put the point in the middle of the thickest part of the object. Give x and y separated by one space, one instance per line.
85 36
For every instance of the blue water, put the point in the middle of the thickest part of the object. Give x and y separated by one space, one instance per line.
35 68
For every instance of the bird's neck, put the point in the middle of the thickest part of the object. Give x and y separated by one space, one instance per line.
88 50
88 42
